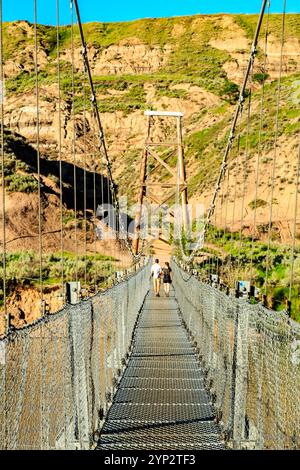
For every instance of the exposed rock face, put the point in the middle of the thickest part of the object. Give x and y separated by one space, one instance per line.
128 58
123 133
25 306
131 56
235 69
232 38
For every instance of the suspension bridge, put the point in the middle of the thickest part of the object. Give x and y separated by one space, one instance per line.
110 366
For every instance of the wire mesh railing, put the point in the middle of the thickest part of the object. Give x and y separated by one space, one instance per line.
251 357
58 375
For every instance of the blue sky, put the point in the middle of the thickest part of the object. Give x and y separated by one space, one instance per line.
123 10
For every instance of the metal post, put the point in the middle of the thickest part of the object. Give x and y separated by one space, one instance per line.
239 375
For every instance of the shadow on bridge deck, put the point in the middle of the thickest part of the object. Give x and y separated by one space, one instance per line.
161 402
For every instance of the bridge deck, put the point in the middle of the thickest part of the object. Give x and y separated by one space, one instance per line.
161 402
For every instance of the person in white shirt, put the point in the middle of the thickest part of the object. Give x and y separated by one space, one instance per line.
156 274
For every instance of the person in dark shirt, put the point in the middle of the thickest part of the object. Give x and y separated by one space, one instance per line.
167 279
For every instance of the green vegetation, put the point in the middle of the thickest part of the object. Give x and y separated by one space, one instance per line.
209 144
248 24
241 258
12 164
17 172
258 203
21 183
163 89
206 146
260 77
130 101
22 268
192 58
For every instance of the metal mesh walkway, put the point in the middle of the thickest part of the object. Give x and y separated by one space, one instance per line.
161 402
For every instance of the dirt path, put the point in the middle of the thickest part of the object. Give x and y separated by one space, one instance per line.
161 250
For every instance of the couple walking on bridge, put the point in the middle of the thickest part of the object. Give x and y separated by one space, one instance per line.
159 273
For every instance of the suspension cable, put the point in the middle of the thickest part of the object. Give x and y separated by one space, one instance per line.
231 137
102 143
275 147
38 150
4 255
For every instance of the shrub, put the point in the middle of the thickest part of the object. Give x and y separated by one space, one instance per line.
258 203
230 91
260 77
21 183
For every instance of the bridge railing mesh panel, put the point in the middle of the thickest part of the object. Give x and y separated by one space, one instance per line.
251 356
58 375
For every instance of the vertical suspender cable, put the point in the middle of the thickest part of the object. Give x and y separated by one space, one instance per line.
275 147
59 148
259 152
84 179
225 234
102 181
217 244
110 216
73 140
95 227
232 244
239 107
61 199
231 137
38 150
95 216
94 102
220 232
292 262
3 174
102 143
41 365
246 155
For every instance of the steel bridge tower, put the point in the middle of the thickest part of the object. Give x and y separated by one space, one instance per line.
159 152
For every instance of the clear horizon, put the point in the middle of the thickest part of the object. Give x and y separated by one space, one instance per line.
118 11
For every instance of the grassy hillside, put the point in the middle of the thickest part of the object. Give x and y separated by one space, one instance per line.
192 64
192 59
